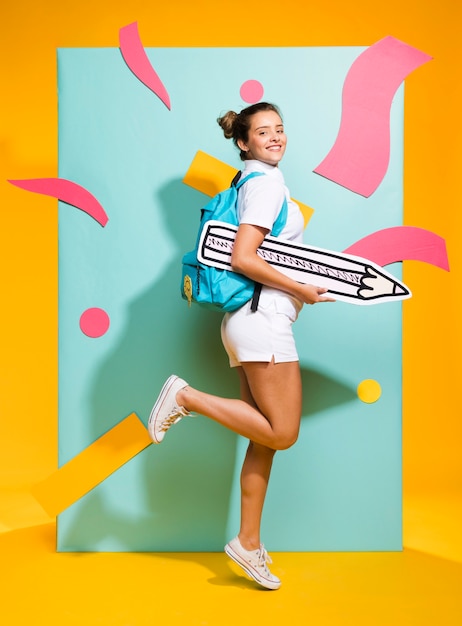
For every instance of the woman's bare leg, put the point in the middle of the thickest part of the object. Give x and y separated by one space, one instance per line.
258 461
269 415
276 390
255 475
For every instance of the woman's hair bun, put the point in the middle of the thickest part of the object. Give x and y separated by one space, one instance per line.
226 122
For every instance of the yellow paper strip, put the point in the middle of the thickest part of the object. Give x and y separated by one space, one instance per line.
210 176
91 466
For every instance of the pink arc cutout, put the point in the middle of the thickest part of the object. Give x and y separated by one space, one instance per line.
137 60
68 192
360 155
402 243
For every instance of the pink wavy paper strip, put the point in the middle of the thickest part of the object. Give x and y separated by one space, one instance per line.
68 192
401 243
137 60
360 155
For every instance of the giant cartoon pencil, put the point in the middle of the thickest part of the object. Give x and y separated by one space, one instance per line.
348 278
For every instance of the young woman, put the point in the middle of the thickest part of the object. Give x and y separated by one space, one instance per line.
260 343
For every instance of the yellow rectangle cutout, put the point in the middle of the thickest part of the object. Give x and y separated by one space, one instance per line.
91 466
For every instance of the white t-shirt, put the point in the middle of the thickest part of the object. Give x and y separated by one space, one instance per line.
259 202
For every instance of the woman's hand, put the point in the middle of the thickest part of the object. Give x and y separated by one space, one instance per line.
311 294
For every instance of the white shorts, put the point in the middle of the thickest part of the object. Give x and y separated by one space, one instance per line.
263 335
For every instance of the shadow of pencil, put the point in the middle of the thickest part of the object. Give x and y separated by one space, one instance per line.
321 392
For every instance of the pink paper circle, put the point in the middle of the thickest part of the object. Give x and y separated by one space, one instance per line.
94 322
251 91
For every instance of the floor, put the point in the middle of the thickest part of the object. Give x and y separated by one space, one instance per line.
40 586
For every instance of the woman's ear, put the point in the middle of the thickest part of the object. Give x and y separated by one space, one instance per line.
242 146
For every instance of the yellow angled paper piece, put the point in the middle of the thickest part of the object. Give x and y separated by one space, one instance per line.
91 466
209 175
306 210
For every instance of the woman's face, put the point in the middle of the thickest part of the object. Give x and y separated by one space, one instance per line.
267 140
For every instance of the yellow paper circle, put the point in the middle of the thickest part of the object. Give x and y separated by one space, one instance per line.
369 390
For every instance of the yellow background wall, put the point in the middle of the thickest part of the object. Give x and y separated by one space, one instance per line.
30 34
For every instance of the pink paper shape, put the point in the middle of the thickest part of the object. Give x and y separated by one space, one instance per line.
360 155
94 322
401 243
67 191
137 60
251 91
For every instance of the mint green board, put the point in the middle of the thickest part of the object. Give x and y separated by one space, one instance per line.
339 488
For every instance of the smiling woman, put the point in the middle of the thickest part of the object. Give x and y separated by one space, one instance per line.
260 343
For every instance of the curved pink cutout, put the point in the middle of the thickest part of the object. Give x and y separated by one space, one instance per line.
136 58
68 192
359 157
402 243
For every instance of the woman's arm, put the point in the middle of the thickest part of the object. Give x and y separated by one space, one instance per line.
245 260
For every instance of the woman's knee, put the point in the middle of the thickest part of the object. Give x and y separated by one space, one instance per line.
286 439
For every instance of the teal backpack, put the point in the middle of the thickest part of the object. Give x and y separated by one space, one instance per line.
220 289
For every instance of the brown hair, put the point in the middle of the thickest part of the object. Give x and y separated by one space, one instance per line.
236 126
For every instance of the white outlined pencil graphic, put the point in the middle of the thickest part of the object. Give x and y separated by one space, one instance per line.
348 278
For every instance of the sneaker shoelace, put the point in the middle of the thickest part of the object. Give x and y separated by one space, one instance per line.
264 558
177 413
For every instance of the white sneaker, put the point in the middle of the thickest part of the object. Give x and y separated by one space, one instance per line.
166 412
254 562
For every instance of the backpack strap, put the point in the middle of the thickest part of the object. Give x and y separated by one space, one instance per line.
281 220
277 229
238 181
278 226
256 297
